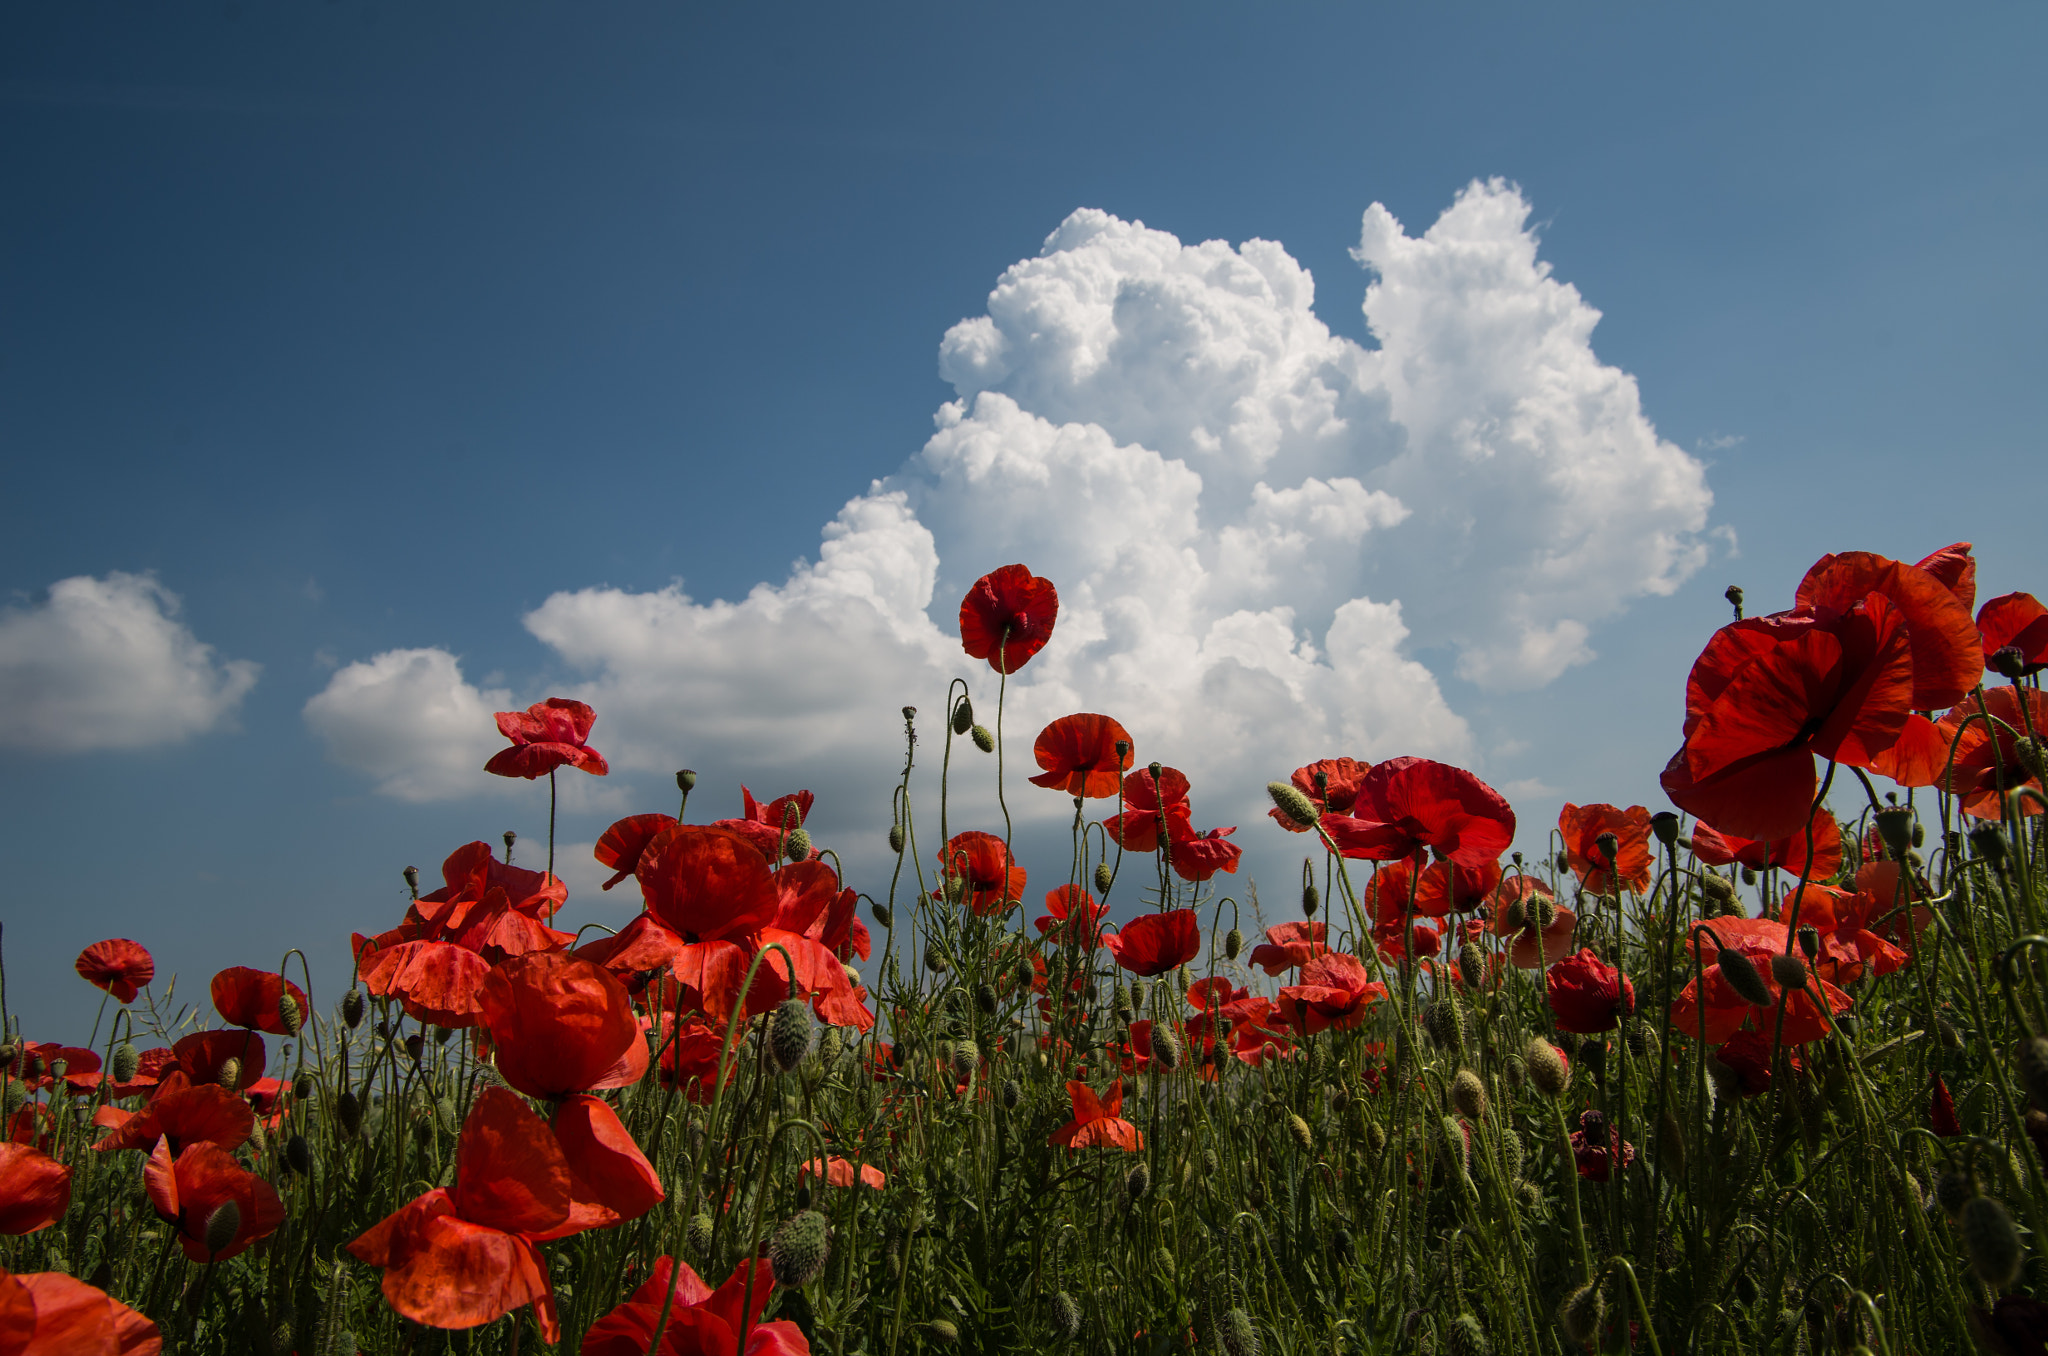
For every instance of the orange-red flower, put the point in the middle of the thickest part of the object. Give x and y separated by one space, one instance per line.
701 1321
1079 755
560 1024
1747 1054
1789 853
47 1313
707 883
1408 803
1334 992
1725 1011
1072 915
35 1189
1151 804
117 965
189 1189
767 826
690 1060
1595 1144
1287 945
1197 857
1340 777
202 1056
1987 756
1582 826
842 1173
35 1065
1516 911
1435 890
2018 622
623 844
1096 1121
609 1167
545 736
988 877
1956 568
1007 617
204 1113
254 999
436 982
1944 642
1156 942
1587 995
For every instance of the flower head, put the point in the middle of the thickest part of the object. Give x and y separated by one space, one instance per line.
1096 1121
1080 755
1582 827
1340 778
559 1024
191 1190
1149 803
117 965
1156 942
701 1321
1408 803
2018 622
989 879
1789 853
545 736
1587 995
1007 617
254 999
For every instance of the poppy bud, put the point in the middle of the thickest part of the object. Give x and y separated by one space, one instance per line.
224 1223
1025 974
1945 1030
985 998
230 1073
15 1096
1716 888
789 1033
1012 1094
1240 1338
942 1332
697 1235
983 740
1166 1047
1733 593
1517 916
1542 913
935 959
2031 1062
352 1007
8 1052
2008 661
1789 971
1303 1136
1952 1191
1640 1037
1104 878
1209 1164
1989 842
1471 964
1293 804
1547 1067
298 1156
963 716
1120 1005
415 1046
1138 1180
1466 1338
1340 1244
798 1251
1440 1020
1740 972
412 880
1665 825
1749 875
127 1060
348 1113
1064 1315
1310 901
510 838
1582 1312
1468 1095
1233 944
966 1058
288 1014
796 845
1991 1241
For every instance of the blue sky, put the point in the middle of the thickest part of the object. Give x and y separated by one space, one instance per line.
367 330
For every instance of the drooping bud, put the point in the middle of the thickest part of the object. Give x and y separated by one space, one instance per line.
942 1332
983 740
352 1009
1138 1180
798 1251
231 1073
796 845
1064 1315
966 1058
1166 1047
1582 1313
935 959
963 716
348 1114
1468 1095
1740 972
1239 1337
1471 964
222 1226
1789 971
1233 944
789 1033
1303 1136
1293 804
1466 1338
1104 878
126 1062
1991 1241
298 1156
882 914
697 1235
288 1014
1953 1190
1548 1070
985 998
1120 1005
1012 1094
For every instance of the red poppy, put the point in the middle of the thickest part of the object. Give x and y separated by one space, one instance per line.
35 1065
1424 938
1747 1054
690 1061
1789 853
1072 915
1842 919
471 872
707 883
460 1257
1197 857
989 879
1007 617
47 1313
1147 803
1587 995
1438 889
767 826
2019 622
1408 803
701 1321
623 844
435 982
150 1069
1888 902
1941 1111
254 999
1594 1145
1334 992
1725 1010
1946 658
117 965
545 736
560 1024
1582 826
1096 1121
1956 568
609 1167
841 1173
1539 930
188 1115
1079 755
203 1056
1156 942
1341 778
35 1189
1987 756
187 1191
1288 945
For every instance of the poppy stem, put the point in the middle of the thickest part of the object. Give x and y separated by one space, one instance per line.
551 826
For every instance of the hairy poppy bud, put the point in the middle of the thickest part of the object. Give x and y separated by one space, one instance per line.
1548 1070
896 841
1120 1005
1012 1094
1210 1166
1468 1095
1952 1191
412 880
935 959
1733 593
966 1058
1989 841
697 1235
1233 944
1582 1312
1303 1136
1945 1031
963 716
798 1251
2030 1060
415 1046
2032 754
1466 1338
230 1073
1671 1145
983 740
1138 1180
1440 1020
1740 972
1293 804
1665 825
1104 878
882 914
1064 1315
942 1332
796 845
1789 971
225 1223
789 1033
302 1086
1991 1241
1471 964
288 1014
1239 1337
985 998
1542 913
297 1156
352 1008
1166 1047
348 1113
127 1061
1311 900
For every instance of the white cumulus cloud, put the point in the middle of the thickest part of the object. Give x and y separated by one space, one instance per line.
1260 530
106 664
409 719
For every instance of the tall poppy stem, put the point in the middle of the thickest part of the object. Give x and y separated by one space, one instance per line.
551 826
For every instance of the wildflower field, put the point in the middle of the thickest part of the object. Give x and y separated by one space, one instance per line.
1762 1072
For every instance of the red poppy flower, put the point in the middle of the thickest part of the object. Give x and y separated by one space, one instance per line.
1587 995
560 1024
1408 803
1072 915
1156 942
435 982
768 826
1334 992
189 1189
35 1189
1148 802
1078 753
840 1173
701 1321
1725 1011
1944 643
609 1167
1747 1054
1096 1121
47 1313
1427 936
707 883
1941 1111
1581 827
35 1065
254 999
690 1061
1518 910
1848 945
1987 757
460 1257
1197 857
989 879
2016 621
1594 1146
1341 781
203 1113
1789 853
471 872
545 736
117 965
1888 902
203 1055
1007 617
623 844
1441 888
1288 945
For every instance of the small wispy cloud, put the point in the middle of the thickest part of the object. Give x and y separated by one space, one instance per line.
1719 442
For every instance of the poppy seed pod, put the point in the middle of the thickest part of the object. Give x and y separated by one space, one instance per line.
1239 1337
352 1008
2031 754
1991 1241
1809 941
1548 1070
963 716
1293 804
1665 825
1064 1315
1989 842
789 1033
798 1251
2008 661
511 837
125 1062
686 780
412 880
1104 878
1789 971
796 845
697 1235
1581 1314
1733 593
1468 1095
1895 827
288 1014
1138 1180
415 1046
226 1221
1610 848
983 740
1466 1338
1740 972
